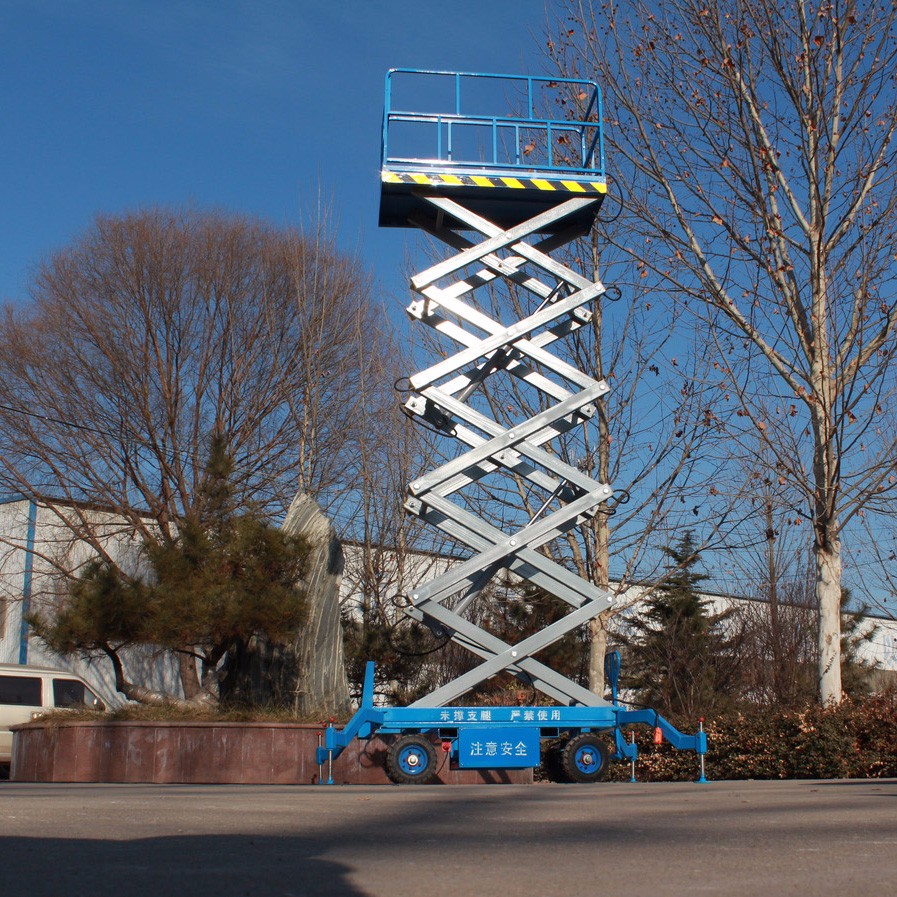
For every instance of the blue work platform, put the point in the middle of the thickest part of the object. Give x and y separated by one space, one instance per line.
438 139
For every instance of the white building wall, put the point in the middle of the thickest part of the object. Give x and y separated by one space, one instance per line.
55 549
385 575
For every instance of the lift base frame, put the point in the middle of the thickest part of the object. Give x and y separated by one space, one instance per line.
499 737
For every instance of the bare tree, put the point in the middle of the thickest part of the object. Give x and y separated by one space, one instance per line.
755 140
655 431
773 568
157 331
389 554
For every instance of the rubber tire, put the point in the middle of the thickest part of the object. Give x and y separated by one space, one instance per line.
584 758
552 764
422 756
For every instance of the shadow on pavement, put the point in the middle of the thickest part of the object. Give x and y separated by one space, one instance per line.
201 866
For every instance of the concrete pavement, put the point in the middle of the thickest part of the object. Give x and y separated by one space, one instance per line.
663 840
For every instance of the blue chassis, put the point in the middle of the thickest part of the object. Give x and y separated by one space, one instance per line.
446 723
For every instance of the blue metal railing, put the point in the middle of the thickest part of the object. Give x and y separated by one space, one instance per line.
526 141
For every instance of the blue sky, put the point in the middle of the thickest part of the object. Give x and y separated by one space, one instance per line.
109 105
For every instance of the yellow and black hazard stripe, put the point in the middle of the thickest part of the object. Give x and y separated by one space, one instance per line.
506 182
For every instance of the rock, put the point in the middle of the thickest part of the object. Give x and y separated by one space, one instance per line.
322 685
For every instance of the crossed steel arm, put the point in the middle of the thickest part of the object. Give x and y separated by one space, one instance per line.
521 349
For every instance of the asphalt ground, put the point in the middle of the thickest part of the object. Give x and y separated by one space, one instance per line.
729 838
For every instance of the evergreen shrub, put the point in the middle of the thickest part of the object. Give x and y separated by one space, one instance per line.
856 739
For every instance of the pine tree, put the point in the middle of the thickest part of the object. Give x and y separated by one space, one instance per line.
227 579
857 674
520 615
680 657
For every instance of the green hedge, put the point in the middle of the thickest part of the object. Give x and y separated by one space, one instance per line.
857 739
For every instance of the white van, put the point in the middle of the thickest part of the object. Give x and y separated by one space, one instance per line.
27 692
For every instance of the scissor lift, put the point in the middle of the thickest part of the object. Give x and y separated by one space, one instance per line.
524 185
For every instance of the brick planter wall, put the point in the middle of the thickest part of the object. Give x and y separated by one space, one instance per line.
196 753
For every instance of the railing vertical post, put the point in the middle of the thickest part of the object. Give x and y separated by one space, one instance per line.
318 754
702 779
387 105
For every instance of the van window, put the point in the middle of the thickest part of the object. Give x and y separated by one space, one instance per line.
22 690
71 693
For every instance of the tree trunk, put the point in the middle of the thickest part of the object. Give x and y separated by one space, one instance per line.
189 677
322 685
600 522
775 623
826 473
146 696
598 651
828 595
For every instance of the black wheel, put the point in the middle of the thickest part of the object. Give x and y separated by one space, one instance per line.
411 760
552 764
585 758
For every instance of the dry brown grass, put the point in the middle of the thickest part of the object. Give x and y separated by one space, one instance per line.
174 713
